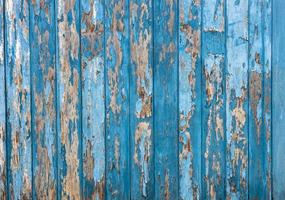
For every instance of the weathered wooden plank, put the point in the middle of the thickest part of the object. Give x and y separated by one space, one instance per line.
18 99
141 87
278 95
3 177
257 135
267 98
117 99
190 99
213 100
42 41
68 98
166 99
237 99
93 102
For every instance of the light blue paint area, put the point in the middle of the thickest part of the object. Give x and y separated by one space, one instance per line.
186 102
213 15
213 62
93 113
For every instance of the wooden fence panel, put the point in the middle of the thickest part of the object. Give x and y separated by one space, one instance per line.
142 99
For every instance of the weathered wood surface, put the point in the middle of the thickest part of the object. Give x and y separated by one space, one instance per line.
165 80
237 98
213 100
142 99
93 103
69 113
18 99
190 99
117 51
43 99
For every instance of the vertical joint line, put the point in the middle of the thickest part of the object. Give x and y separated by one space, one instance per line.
201 99
248 92
153 96
105 101
178 100
6 104
31 102
225 95
58 188
81 107
129 99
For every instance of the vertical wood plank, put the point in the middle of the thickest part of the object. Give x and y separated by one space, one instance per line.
267 95
141 87
278 95
237 99
166 99
18 99
3 185
213 103
69 98
42 41
93 102
257 135
117 99
190 99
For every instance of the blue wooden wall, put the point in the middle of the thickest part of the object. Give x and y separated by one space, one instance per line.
142 99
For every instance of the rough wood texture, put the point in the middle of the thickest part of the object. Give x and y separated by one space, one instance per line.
142 99
141 88
18 99
237 99
117 99
93 102
43 104
190 99
165 99
69 99
213 100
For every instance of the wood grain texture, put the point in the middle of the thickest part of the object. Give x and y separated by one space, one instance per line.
258 159
237 99
117 99
18 99
142 99
278 103
43 103
190 99
165 99
3 177
93 102
141 89
69 98
213 100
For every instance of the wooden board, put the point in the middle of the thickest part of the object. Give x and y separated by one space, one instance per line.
43 99
18 99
